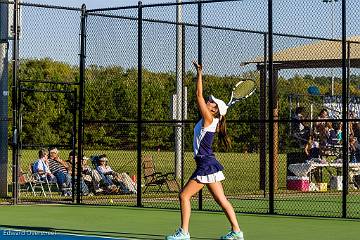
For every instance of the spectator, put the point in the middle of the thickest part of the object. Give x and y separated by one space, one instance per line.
69 162
105 173
331 134
354 148
83 186
41 167
60 169
320 126
312 149
323 115
111 177
299 117
356 129
339 132
301 130
91 177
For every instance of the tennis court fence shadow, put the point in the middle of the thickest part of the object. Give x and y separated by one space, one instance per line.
156 179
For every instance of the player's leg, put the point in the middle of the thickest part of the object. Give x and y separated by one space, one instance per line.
217 192
190 189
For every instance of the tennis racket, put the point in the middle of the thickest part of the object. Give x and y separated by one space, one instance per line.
243 89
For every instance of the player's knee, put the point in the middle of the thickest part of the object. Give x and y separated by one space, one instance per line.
183 196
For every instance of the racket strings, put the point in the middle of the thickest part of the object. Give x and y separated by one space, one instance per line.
244 89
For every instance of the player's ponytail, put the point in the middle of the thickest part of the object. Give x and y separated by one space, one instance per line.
223 138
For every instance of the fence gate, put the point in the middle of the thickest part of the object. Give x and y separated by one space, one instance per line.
47 118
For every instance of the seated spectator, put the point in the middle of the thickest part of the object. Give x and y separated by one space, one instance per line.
323 115
319 128
91 177
105 172
298 116
59 168
83 186
339 132
300 129
312 149
356 129
110 177
41 167
69 162
323 134
329 141
332 138
354 148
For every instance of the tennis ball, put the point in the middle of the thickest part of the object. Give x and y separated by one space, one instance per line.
111 201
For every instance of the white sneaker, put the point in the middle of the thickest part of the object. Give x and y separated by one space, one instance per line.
179 235
233 236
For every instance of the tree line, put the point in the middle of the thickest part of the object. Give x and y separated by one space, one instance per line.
111 106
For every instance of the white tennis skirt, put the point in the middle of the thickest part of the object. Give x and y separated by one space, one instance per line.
211 178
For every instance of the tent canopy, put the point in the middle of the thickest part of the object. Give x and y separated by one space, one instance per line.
319 54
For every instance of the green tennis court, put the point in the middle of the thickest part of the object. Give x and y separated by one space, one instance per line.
135 223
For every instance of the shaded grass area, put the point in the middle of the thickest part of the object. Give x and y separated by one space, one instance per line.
155 223
241 186
241 169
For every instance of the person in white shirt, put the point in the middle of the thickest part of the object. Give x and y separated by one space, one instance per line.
41 166
122 181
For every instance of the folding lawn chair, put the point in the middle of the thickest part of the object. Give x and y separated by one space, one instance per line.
39 182
158 179
25 183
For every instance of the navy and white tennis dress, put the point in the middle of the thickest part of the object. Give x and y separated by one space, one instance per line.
208 169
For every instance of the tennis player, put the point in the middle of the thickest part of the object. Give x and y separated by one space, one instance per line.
208 170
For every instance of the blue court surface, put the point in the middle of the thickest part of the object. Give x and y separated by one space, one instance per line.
9 234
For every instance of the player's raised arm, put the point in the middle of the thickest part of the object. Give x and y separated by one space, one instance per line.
204 111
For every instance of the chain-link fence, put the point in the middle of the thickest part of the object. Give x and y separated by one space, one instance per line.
129 106
45 105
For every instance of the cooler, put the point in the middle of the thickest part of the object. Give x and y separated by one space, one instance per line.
298 183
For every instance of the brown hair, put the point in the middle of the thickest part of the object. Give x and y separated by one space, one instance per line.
43 152
222 133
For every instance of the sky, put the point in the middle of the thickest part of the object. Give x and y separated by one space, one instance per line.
55 33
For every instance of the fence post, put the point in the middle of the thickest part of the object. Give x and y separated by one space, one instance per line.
271 106
81 97
4 98
345 120
139 96
262 129
179 94
183 104
15 61
200 62
73 143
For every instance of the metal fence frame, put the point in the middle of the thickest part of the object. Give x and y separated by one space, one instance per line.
267 117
